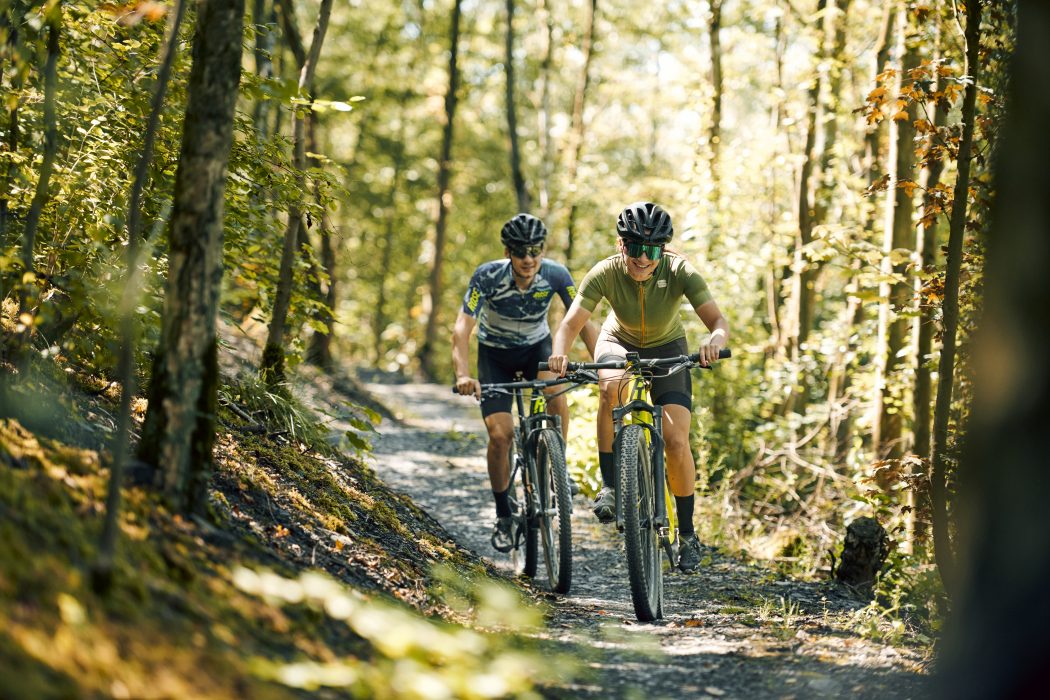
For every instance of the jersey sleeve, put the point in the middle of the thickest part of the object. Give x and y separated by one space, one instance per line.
593 287
561 281
693 285
473 298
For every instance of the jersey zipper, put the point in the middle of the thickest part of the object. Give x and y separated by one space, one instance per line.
641 301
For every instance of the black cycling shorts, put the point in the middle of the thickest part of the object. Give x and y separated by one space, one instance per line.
498 365
676 389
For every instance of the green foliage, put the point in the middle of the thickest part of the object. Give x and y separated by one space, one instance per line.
909 602
413 657
274 407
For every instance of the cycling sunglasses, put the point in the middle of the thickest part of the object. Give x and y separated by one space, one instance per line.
532 251
635 250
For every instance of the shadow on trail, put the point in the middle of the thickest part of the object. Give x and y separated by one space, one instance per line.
731 630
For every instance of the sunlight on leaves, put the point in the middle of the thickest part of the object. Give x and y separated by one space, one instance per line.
414 657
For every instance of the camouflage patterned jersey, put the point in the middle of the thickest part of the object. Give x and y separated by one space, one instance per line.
507 316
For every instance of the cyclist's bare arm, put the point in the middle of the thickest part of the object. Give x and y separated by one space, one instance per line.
717 324
465 383
570 327
589 333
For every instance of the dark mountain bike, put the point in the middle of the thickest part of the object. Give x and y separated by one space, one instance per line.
540 492
645 508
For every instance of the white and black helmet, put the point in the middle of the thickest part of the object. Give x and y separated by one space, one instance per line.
523 230
644 222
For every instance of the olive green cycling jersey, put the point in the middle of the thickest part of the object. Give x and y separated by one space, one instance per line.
645 314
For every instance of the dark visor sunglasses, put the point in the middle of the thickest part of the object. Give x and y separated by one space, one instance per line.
635 250
531 251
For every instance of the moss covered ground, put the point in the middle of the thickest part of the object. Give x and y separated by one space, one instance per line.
215 606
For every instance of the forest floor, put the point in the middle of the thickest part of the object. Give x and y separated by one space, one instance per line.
732 630
216 606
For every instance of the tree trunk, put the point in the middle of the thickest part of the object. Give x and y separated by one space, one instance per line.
925 321
714 32
40 196
102 570
996 643
950 309
265 19
11 133
546 142
577 130
320 349
894 295
524 205
427 351
379 320
179 430
807 184
271 367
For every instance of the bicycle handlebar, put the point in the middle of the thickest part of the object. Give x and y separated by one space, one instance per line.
655 362
581 378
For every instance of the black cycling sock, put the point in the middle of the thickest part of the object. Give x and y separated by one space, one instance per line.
502 503
685 514
606 464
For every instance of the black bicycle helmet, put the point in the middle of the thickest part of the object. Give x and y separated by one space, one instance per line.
523 230
644 222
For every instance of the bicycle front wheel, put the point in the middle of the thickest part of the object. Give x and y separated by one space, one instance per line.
640 530
555 503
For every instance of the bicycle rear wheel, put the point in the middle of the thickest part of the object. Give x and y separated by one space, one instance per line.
555 505
640 532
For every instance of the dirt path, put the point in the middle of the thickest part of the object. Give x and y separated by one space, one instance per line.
730 630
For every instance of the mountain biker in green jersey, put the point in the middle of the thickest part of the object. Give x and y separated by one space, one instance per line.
508 300
644 283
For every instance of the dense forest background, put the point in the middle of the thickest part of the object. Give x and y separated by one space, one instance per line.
324 177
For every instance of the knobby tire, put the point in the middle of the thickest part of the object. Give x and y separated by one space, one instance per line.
644 567
555 503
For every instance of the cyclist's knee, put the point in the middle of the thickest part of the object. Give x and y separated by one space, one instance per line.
609 394
500 438
675 443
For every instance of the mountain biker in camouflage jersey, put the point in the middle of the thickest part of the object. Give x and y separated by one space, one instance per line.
508 301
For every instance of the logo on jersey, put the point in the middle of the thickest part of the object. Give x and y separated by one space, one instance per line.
541 294
472 302
661 283
571 289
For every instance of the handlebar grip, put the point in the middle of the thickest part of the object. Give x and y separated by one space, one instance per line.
543 367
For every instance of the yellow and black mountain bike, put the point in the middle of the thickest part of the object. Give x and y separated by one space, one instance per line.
645 508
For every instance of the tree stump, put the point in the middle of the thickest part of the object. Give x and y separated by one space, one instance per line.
863 554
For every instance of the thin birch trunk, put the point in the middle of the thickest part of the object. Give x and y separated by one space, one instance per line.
520 190
271 367
102 570
427 351
943 552
578 128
